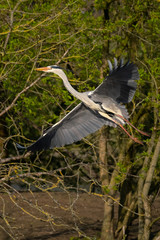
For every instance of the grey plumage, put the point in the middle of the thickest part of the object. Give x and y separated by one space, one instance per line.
99 107
80 122
120 84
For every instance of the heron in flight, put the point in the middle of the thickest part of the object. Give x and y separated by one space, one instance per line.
103 106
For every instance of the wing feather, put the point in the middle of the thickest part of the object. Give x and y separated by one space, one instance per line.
76 125
120 85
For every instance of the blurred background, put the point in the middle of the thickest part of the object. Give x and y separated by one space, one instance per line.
106 170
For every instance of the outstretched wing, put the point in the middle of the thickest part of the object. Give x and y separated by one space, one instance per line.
120 85
76 125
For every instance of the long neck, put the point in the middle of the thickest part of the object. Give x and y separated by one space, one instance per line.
81 96
69 87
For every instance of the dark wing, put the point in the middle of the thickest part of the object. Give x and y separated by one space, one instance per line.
76 125
120 84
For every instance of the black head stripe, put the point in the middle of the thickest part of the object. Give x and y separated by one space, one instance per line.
55 67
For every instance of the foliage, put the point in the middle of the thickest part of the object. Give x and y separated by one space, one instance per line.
80 36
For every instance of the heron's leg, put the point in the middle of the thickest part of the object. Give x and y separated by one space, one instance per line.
144 133
133 138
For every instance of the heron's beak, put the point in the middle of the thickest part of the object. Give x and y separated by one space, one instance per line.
44 69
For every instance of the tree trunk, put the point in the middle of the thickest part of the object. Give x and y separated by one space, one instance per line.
146 188
143 174
107 232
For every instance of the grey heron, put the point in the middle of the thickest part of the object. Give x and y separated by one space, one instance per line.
103 106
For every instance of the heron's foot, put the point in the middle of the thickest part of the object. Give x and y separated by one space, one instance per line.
144 133
137 140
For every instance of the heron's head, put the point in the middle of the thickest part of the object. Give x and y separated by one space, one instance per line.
53 68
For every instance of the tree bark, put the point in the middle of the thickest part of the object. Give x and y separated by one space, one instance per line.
107 232
146 188
143 174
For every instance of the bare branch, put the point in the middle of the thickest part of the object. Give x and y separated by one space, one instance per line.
5 160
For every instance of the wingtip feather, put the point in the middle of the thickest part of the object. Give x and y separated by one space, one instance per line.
110 66
20 147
